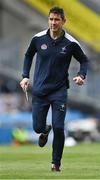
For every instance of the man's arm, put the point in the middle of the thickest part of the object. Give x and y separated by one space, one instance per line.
28 58
82 59
27 64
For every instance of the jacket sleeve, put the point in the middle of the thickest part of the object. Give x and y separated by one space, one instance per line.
80 56
29 57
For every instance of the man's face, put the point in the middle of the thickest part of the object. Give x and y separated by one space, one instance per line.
55 22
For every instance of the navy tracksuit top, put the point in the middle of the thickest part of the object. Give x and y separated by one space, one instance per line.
53 58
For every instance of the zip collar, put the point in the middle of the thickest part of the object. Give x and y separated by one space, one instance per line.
56 41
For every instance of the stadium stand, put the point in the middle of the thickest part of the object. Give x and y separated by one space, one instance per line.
78 23
93 5
20 20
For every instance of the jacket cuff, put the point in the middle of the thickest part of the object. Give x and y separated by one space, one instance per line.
81 75
25 76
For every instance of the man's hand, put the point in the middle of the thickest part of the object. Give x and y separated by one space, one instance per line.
24 84
78 80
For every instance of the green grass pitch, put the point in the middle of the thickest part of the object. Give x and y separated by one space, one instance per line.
32 162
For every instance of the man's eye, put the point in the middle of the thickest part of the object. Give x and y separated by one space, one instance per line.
56 19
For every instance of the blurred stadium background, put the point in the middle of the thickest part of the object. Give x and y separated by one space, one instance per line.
19 21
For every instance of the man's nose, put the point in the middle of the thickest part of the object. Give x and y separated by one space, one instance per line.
53 22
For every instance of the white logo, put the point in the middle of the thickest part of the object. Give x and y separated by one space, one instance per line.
62 107
63 51
43 46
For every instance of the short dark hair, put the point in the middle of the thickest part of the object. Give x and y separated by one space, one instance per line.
57 10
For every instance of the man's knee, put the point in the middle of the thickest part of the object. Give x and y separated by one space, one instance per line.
38 129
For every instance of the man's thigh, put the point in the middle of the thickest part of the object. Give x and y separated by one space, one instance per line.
59 107
40 107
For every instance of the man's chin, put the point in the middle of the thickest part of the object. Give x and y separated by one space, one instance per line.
54 30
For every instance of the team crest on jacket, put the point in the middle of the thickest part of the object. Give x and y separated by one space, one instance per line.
43 46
